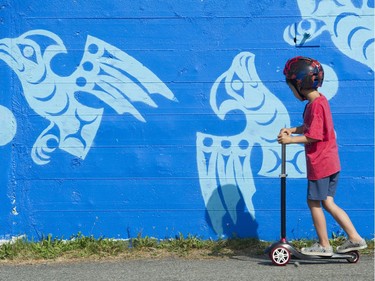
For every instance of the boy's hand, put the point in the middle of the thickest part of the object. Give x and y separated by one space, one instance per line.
285 136
286 131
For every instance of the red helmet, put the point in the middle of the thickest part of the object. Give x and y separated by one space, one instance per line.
304 73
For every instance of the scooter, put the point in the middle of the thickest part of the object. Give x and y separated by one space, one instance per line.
281 252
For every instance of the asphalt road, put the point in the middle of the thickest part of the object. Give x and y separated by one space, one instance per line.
238 268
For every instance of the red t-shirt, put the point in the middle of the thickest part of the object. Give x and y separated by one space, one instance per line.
322 158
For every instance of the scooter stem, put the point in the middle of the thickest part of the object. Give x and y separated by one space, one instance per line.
283 176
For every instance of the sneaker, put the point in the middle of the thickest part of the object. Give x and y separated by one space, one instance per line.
351 246
317 250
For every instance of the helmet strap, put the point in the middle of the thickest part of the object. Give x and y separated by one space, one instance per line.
299 93
293 83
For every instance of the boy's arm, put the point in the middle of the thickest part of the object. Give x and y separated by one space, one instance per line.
285 136
297 130
297 139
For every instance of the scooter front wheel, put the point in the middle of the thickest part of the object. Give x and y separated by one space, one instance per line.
280 256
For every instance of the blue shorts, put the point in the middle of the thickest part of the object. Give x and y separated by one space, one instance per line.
320 189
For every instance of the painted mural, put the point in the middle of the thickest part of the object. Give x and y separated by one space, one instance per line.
126 120
351 29
105 72
224 161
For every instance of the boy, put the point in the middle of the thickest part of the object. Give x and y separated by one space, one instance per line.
303 76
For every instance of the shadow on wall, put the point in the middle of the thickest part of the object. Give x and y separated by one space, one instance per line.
227 215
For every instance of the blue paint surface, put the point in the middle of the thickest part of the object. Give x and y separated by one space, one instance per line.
140 168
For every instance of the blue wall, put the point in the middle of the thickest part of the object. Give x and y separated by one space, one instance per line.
121 118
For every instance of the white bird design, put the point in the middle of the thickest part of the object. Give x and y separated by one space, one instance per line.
105 72
225 160
351 30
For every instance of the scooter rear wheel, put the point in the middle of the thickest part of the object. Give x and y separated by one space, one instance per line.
354 258
280 256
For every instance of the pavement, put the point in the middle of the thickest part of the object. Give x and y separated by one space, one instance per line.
180 269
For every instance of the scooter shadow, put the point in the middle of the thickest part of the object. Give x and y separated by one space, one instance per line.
297 262
265 261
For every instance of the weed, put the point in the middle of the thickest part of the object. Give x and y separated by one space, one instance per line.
146 242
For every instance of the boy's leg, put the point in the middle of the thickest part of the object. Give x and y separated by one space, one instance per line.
342 219
322 248
319 221
355 241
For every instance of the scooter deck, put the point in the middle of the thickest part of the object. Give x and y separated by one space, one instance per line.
297 254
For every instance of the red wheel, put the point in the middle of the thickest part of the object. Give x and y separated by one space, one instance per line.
354 258
280 256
